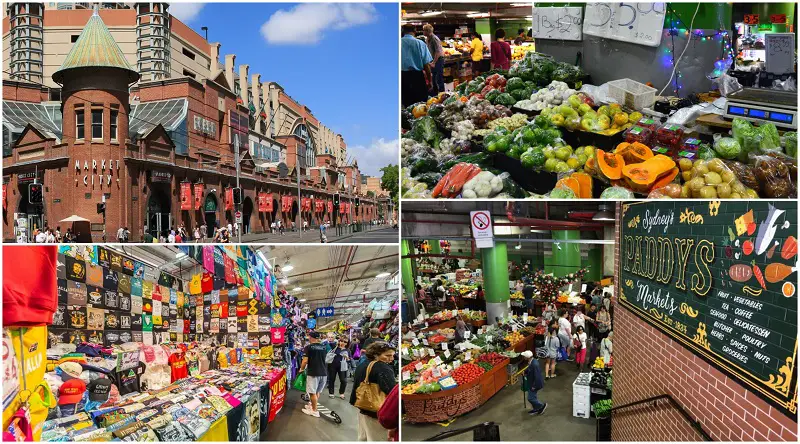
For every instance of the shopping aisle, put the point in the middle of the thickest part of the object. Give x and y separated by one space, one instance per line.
297 426
505 408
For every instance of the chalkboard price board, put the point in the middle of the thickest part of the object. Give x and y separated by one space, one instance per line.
720 278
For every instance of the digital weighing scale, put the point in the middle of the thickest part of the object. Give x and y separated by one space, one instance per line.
764 106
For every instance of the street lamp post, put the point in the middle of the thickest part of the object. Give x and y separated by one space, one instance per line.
239 160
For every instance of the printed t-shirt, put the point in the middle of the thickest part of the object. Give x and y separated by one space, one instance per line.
128 380
195 285
178 364
316 359
207 283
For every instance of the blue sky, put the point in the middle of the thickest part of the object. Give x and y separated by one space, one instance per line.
339 59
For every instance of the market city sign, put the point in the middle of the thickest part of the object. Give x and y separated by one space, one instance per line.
719 277
101 170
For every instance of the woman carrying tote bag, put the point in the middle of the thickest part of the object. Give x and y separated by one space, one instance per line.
372 382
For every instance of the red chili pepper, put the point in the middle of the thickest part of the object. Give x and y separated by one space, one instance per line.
759 276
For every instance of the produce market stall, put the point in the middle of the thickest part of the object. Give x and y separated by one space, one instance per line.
544 128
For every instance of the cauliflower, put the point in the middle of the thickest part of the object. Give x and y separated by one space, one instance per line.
485 184
463 130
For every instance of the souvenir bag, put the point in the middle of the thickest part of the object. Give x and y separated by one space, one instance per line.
357 352
300 382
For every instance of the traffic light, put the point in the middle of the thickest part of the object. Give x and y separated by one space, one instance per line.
358 201
101 208
35 193
336 199
237 196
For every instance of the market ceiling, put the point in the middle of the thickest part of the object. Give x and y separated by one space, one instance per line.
448 12
340 276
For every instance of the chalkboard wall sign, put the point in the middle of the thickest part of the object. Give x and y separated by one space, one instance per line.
720 278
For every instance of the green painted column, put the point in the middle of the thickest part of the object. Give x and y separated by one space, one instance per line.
435 248
566 256
594 264
407 274
495 280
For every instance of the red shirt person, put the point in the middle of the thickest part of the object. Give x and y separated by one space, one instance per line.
501 51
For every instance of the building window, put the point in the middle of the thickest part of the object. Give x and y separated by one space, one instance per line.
74 38
188 74
188 53
55 94
97 124
79 125
114 115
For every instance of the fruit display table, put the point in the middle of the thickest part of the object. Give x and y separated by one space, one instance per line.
526 344
448 404
452 324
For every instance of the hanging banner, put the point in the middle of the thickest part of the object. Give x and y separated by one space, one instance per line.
277 389
186 196
306 204
262 202
198 195
5 190
229 199
342 206
268 205
330 207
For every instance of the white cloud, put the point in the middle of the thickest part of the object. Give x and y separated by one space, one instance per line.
307 23
376 156
186 12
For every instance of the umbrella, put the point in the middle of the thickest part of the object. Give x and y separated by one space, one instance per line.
75 218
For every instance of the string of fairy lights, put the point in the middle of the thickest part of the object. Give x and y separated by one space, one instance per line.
678 27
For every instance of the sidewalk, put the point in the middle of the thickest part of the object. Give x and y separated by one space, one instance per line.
334 234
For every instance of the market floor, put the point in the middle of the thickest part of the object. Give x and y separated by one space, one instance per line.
505 408
292 424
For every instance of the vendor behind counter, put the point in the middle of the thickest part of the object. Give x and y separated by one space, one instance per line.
414 65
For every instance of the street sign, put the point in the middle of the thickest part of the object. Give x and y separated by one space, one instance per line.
324 312
238 217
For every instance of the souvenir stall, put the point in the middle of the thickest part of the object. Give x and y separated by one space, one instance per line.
112 343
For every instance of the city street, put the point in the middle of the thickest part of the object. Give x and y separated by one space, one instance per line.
381 234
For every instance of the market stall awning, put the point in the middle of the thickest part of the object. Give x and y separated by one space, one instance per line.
75 218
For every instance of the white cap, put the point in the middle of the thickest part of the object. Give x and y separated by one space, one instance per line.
527 354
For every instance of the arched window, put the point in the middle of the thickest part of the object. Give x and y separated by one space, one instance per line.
311 151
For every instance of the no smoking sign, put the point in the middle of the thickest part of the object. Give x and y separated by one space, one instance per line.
481 223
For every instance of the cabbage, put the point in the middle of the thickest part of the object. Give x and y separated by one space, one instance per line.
791 144
617 193
727 147
749 138
770 140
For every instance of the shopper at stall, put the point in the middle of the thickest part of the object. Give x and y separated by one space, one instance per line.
377 369
437 65
551 344
606 347
550 312
520 37
337 366
316 376
476 53
480 299
564 332
530 302
500 51
579 319
579 343
603 321
439 293
461 328
533 375
415 60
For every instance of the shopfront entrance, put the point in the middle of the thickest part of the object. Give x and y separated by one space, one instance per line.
159 219
247 211
210 211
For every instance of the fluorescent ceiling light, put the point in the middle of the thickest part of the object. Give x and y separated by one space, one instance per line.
522 4
518 246
180 255
264 258
301 300
284 281
296 289
380 275
478 15
287 267
430 13
366 292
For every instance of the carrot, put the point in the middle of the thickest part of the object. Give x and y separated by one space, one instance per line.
777 272
460 178
759 276
437 190
454 172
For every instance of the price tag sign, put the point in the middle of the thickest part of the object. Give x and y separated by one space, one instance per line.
455 313
525 318
489 338
467 356
456 364
466 310
406 376
437 361
424 342
418 366
447 354
467 334
405 351
431 352
416 352
751 19
426 325
444 345
513 327
583 288
415 342
436 372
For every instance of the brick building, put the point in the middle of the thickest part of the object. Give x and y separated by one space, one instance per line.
649 363
160 148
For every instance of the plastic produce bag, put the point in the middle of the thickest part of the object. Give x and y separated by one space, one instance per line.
484 185
726 84
727 147
617 193
745 174
452 182
790 141
710 179
774 176
748 136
